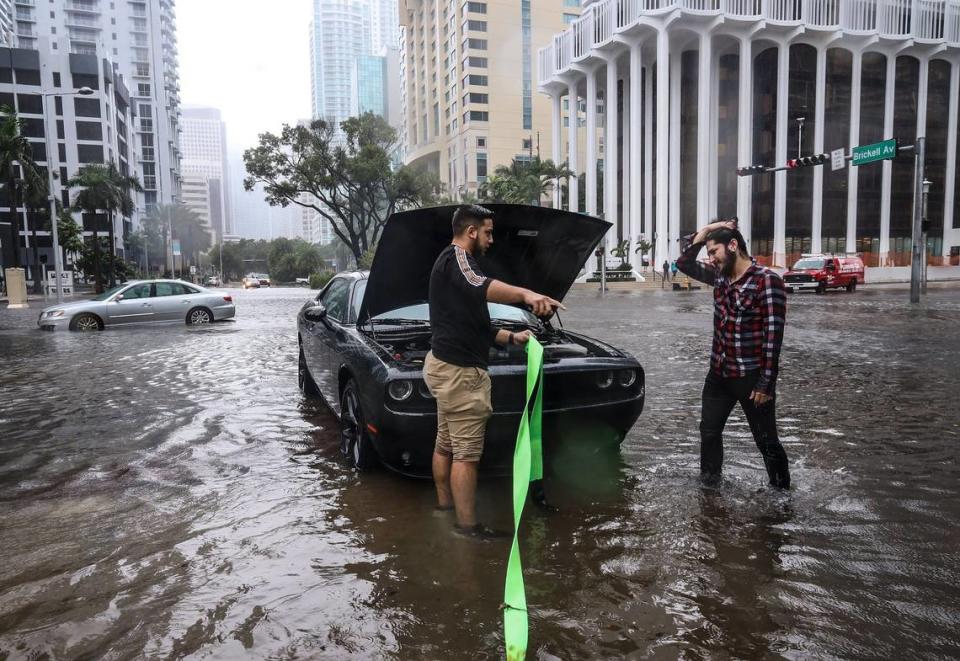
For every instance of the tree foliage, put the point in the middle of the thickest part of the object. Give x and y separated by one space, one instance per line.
523 181
349 182
15 148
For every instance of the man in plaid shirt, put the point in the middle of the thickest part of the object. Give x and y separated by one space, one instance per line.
749 313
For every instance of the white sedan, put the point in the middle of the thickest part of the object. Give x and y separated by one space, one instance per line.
141 302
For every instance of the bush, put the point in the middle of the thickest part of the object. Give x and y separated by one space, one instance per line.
318 280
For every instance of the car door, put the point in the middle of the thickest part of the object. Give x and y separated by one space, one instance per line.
322 361
170 302
131 306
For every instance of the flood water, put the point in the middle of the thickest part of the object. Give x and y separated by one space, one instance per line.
168 493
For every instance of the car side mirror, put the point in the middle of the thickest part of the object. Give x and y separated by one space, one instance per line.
118 298
315 313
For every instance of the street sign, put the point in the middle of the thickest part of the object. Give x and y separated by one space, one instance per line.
838 159
193 269
878 151
175 244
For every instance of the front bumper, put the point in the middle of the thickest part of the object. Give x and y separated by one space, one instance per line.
405 441
54 323
800 286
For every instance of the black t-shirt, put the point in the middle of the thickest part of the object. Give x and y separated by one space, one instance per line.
459 317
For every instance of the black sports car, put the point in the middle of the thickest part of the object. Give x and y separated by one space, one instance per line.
363 339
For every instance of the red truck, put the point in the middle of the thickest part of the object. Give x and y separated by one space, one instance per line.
822 272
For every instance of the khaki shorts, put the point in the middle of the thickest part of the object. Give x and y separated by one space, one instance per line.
463 407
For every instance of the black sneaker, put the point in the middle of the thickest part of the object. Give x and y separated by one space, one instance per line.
479 531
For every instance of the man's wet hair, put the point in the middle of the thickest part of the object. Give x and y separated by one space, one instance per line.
469 215
725 235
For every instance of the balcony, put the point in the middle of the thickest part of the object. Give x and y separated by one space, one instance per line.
26 16
85 7
26 3
82 21
26 31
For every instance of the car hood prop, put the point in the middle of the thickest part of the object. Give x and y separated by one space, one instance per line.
539 248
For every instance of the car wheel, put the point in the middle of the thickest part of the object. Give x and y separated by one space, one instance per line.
354 438
304 379
198 316
86 321
852 287
821 288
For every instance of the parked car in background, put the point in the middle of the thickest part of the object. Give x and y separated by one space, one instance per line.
141 302
251 281
364 337
212 281
264 279
822 272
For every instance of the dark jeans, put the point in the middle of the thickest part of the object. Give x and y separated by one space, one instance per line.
720 395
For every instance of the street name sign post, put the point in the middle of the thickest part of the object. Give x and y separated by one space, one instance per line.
878 151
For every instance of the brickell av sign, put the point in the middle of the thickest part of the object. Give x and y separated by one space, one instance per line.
878 151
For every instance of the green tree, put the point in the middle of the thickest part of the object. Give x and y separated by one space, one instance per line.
168 222
15 148
523 181
350 183
105 189
643 248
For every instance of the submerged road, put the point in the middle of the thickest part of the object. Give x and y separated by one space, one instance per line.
168 493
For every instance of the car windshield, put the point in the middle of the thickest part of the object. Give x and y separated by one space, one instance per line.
110 292
808 264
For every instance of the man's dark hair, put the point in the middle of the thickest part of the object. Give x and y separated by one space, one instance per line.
469 215
725 235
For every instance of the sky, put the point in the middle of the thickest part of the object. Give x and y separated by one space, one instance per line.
250 59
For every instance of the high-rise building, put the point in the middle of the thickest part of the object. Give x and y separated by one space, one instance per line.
203 144
768 82
469 102
67 131
339 33
139 38
6 24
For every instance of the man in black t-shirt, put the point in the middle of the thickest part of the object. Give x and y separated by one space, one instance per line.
455 370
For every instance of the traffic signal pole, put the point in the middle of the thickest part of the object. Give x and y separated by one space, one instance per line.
916 261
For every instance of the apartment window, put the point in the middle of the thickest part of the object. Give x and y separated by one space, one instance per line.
481 167
86 107
143 69
476 97
569 18
478 62
90 153
56 79
527 144
481 142
479 116
89 131
478 44
571 3
477 26
143 89
481 7
474 79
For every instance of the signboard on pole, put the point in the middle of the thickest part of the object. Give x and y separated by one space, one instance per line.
193 269
176 247
838 159
878 151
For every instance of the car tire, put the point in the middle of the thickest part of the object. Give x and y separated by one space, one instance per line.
354 438
199 316
304 379
821 288
86 321
852 286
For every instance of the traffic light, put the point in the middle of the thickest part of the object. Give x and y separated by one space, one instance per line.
751 170
805 161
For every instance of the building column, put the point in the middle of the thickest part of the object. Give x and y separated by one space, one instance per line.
648 221
624 186
745 137
555 144
704 129
949 190
591 154
663 144
714 101
779 256
887 175
636 145
573 116
816 227
853 173
610 154
676 75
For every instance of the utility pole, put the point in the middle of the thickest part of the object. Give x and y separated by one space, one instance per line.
916 262
925 228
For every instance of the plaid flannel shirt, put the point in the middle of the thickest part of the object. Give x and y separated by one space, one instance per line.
748 318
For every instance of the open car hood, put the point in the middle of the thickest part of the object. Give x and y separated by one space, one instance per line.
539 248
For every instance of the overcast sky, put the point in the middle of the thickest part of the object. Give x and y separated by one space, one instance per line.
250 59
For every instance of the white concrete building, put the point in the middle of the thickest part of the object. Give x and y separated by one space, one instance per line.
203 144
139 37
340 31
705 86
7 26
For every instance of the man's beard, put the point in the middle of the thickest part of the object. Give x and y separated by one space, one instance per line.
729 262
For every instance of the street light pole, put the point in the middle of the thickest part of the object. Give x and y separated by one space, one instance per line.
923 233
54 230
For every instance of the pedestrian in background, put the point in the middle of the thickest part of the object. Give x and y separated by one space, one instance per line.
673 271
749 315
666 272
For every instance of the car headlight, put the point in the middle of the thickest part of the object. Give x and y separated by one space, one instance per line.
627 378
52 313
400 390
604 380
424 391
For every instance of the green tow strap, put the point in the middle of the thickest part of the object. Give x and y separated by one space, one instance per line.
527 466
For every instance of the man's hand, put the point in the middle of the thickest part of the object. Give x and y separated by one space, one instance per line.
702 234
522 337
759 398
542 306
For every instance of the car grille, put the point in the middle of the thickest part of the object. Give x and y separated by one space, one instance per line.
800 277
561 390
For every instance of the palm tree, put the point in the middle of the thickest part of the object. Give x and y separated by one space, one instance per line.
104 189
15 148
523 181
